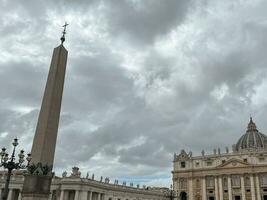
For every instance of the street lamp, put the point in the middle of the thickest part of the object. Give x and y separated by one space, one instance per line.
171 193
10 163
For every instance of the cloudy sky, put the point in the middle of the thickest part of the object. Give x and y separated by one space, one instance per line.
144 79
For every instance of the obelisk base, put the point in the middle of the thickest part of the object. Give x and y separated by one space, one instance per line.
36 187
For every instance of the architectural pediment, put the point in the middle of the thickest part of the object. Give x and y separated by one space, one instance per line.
233 163
182 156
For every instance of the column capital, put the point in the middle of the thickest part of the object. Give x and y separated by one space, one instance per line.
252 175
258 173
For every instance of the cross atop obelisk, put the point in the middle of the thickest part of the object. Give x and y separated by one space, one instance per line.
64 33
38 180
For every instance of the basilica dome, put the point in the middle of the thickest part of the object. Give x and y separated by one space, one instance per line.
252 139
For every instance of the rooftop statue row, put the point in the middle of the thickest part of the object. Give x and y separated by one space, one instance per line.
77 174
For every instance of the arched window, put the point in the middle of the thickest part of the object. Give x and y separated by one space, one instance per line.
235 180
247 181
264 179
183 183
197 183
183 165
210 181
225 182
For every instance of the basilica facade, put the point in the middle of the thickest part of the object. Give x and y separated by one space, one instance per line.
239 174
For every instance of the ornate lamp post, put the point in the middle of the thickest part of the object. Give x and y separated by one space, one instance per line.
171 194
10 163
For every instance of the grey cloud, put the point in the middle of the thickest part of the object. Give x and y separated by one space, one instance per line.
22 79
134 120
145 20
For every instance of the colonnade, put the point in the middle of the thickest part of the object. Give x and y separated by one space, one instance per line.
72 192
66 194
219 188
79 195
255 188
13 194
84 189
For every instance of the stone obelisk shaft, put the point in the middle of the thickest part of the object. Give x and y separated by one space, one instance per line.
44 142
38 180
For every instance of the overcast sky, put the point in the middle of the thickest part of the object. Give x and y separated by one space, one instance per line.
145 79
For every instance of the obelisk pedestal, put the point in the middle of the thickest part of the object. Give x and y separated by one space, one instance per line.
37 181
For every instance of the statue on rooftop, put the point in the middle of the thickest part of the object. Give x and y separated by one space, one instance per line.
64 174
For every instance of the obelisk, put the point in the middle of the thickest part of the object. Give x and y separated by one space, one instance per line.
39 174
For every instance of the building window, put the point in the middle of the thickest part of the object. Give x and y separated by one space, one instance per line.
261 159
264 179
225 182
235 180
223 161
183 183
247 181
182 164
245 160
210 181
197 164
197 183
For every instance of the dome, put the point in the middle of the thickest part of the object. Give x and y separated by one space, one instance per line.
252 139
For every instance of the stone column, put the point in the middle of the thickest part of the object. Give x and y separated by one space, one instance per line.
105 197
10 194
190 189
220 188
175 185
84 195
76 197
243 192
98 196
216 188
91 195
61 195
0 192
204 190
258 187
20 197
252 185
229 188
